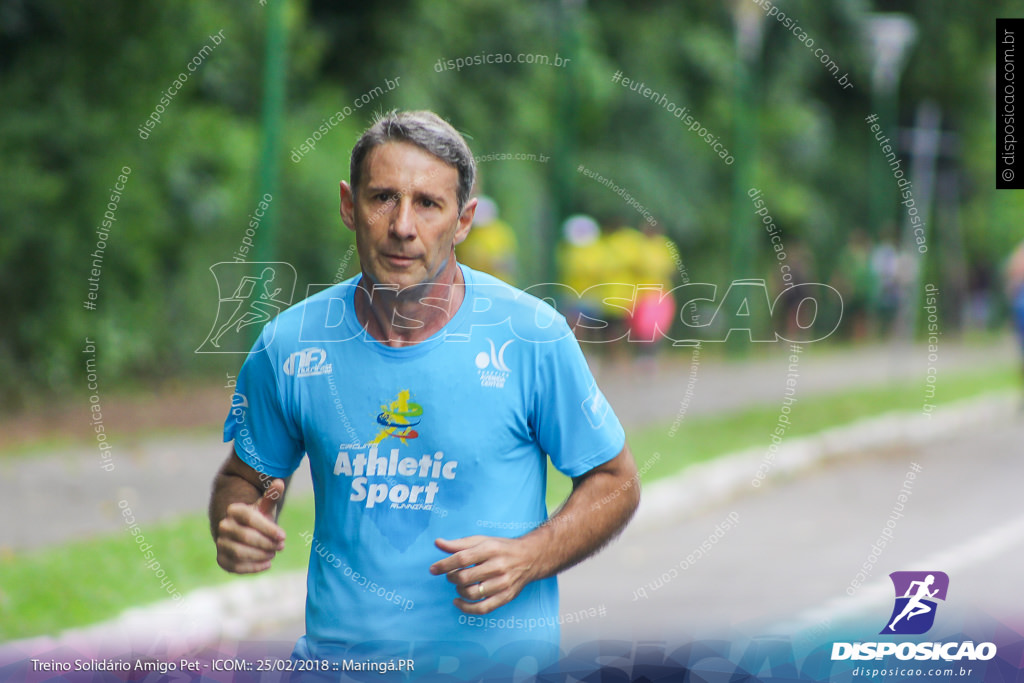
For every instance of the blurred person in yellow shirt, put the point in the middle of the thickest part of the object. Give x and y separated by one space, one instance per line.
655 306
491 244
624 268
623 277
581 264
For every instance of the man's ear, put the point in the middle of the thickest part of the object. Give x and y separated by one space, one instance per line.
348 205
465 221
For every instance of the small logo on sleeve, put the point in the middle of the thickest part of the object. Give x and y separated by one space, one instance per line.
595 407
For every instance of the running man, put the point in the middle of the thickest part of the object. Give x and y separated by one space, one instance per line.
915 605
428 446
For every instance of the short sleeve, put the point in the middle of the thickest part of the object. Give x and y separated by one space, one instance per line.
265 438
574 423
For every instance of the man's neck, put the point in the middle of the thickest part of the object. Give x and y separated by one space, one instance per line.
413 315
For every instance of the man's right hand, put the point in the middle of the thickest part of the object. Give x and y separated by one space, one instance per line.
247 536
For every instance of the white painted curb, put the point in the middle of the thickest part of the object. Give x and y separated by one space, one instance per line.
705 484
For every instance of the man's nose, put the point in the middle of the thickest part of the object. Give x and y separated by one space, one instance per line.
403 220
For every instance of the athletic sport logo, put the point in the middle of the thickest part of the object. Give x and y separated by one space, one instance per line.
916 595
398 418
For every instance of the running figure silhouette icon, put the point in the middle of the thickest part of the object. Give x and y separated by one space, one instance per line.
915 604
246 302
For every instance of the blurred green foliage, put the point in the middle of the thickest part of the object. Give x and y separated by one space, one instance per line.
77 81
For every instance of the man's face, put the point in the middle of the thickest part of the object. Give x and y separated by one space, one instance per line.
405 215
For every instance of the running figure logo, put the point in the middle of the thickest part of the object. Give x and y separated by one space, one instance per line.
254 300
916 593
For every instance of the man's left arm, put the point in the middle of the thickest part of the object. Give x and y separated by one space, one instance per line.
489 571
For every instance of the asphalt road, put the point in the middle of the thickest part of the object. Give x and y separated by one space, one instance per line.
786 564
785 554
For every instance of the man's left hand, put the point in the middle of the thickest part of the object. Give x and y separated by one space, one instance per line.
487 571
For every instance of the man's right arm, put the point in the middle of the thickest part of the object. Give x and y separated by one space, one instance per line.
243 514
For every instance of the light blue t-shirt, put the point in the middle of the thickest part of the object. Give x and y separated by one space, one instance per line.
443 439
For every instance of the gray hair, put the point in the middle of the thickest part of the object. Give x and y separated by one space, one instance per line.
426 130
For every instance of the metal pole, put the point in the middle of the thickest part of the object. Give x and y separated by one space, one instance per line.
925 139
563 166
273 110
748 46
270 153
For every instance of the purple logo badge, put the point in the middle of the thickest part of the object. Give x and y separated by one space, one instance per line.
916 595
